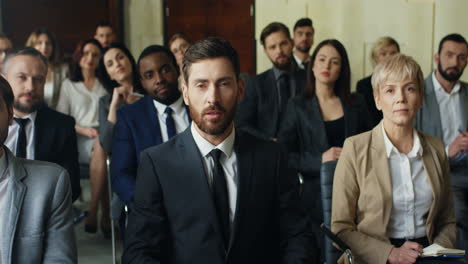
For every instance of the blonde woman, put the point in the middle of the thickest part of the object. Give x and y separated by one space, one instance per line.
44 41
381 50
391 190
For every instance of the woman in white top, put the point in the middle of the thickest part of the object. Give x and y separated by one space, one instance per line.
80 99
44 41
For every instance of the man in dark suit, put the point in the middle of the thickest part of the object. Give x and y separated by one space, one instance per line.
444 114
215 194
261 110
303 40
39 133
148 122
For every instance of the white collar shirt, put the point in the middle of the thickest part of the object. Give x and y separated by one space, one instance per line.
411 191
12 138
179 114
450 110
228 161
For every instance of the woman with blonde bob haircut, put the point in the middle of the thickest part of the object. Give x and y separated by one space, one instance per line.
391 191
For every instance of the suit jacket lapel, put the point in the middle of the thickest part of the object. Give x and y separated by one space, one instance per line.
196 177
381 170
433 111
43 135
153 121
320 134
434 174
245 169
16 191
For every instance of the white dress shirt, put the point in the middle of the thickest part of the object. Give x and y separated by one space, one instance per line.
450 111
298 62
411 191
80 103
228 161
12 138
179 114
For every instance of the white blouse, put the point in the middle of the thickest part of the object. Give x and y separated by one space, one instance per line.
412 192
76 100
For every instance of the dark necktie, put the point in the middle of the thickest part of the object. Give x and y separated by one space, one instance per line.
22 141
220 196
170 125
284 89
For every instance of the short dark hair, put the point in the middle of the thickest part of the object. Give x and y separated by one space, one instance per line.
303 22
157 49
104 76
28 51
209 48
104 24
273 28
76 75
452 37
342 87
6 93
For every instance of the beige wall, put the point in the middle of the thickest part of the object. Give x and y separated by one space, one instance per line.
144 24
417 25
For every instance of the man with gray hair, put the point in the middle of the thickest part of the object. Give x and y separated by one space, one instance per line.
35 202
38 132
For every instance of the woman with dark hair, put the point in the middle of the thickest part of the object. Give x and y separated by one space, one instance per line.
117 71
316 124
44 41
79 98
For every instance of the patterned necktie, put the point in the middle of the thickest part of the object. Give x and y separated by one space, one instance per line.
220 196
21 143
170 125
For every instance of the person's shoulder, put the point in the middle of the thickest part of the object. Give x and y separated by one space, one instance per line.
261 76
135 108
166 150
252 142
433 142
54 116
360 141
42 171
357 100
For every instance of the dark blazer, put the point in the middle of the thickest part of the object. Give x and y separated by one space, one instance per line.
174 220
259 112
137 128
428 120
304 135
55 141
364 87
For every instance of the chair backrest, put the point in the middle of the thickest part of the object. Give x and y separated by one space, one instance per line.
327 172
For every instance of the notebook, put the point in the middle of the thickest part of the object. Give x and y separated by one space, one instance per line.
435 250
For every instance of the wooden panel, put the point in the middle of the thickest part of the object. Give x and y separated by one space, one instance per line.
228 19
70 21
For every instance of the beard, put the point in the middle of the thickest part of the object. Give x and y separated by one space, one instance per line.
303 49
173 93
451 77
28 108
213 127
285 66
